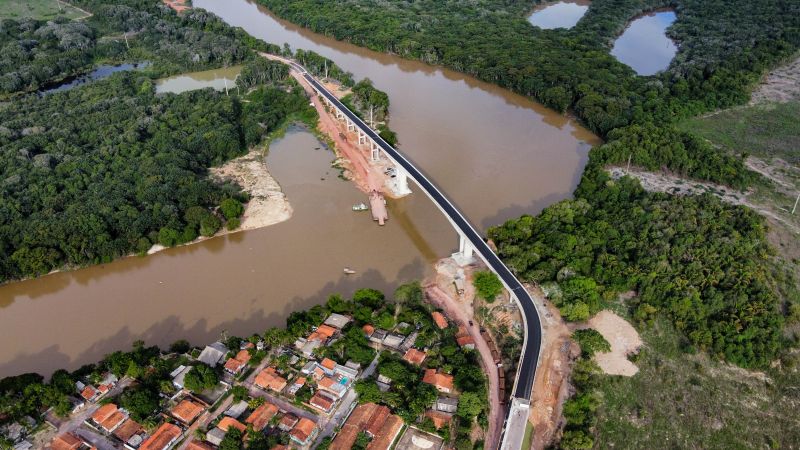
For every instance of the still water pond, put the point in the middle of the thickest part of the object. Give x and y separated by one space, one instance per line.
644 46
97 74
564 14
218 79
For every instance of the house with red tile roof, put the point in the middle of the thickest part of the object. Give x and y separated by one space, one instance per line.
466 342
237 363
332 386
288 421
441 381
199 445
166 435
269 379
108 417
439 418
322 401
387 434
439 319
89 393
368 329
303 433
127 430
69 441
261 416
187 411
414 356
328 365
375 420
227 422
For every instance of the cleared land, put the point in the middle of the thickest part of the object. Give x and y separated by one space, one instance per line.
39 9
684 400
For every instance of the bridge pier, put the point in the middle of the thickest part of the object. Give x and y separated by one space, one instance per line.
362 138
401 178
375 154
465 254
350 125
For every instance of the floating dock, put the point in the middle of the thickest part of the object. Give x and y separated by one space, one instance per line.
377 205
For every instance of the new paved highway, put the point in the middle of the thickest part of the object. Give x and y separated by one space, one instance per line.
532 326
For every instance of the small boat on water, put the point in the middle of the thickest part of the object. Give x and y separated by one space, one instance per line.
360 207
349 271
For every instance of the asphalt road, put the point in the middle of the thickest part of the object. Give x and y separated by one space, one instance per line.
533 328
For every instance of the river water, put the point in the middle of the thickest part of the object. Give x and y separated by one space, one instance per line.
496 154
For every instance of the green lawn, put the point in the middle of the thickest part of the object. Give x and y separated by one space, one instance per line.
763 130
687 401
38 9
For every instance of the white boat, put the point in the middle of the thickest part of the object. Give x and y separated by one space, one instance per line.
349 271
360 207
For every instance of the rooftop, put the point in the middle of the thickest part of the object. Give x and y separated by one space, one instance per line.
166 434
261 416
442 381
337 320
227 422
199 445
321 401
303 430
387 434
328 363
67 441
127 430
414 439
186 411
439 319
268 379
414 356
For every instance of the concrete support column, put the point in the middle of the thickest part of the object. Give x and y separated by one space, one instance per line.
376 151
339 114
464 255
350 125
401 178
464 246
362 138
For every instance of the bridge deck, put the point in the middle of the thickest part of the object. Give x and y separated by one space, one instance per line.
533 330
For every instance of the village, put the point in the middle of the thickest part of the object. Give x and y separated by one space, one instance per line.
361 373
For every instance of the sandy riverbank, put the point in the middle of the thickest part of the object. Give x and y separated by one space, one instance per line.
268 204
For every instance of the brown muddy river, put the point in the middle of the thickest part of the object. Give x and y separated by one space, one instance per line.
496 154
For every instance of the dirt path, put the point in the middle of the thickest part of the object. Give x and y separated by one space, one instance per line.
671 184
366 176
455 311
780 85
551 386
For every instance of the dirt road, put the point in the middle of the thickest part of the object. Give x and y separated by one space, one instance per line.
367 177
456 312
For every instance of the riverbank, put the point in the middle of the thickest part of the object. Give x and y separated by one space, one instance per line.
268 204
352 159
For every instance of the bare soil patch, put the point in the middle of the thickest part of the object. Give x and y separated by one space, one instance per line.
551 386
624 340
779 85
268 204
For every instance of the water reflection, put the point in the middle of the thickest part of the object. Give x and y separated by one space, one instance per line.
644 46
496 154
563 14
219 79
97 74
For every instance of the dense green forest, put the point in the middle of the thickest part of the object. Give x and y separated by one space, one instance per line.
110 168
704 265
724 47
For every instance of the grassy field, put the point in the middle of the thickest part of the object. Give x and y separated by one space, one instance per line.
687 401
768 130
38 9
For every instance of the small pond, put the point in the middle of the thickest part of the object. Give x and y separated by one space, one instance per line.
214 78
644 46
563 14
97 74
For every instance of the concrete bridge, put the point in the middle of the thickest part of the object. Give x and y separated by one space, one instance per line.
470 244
